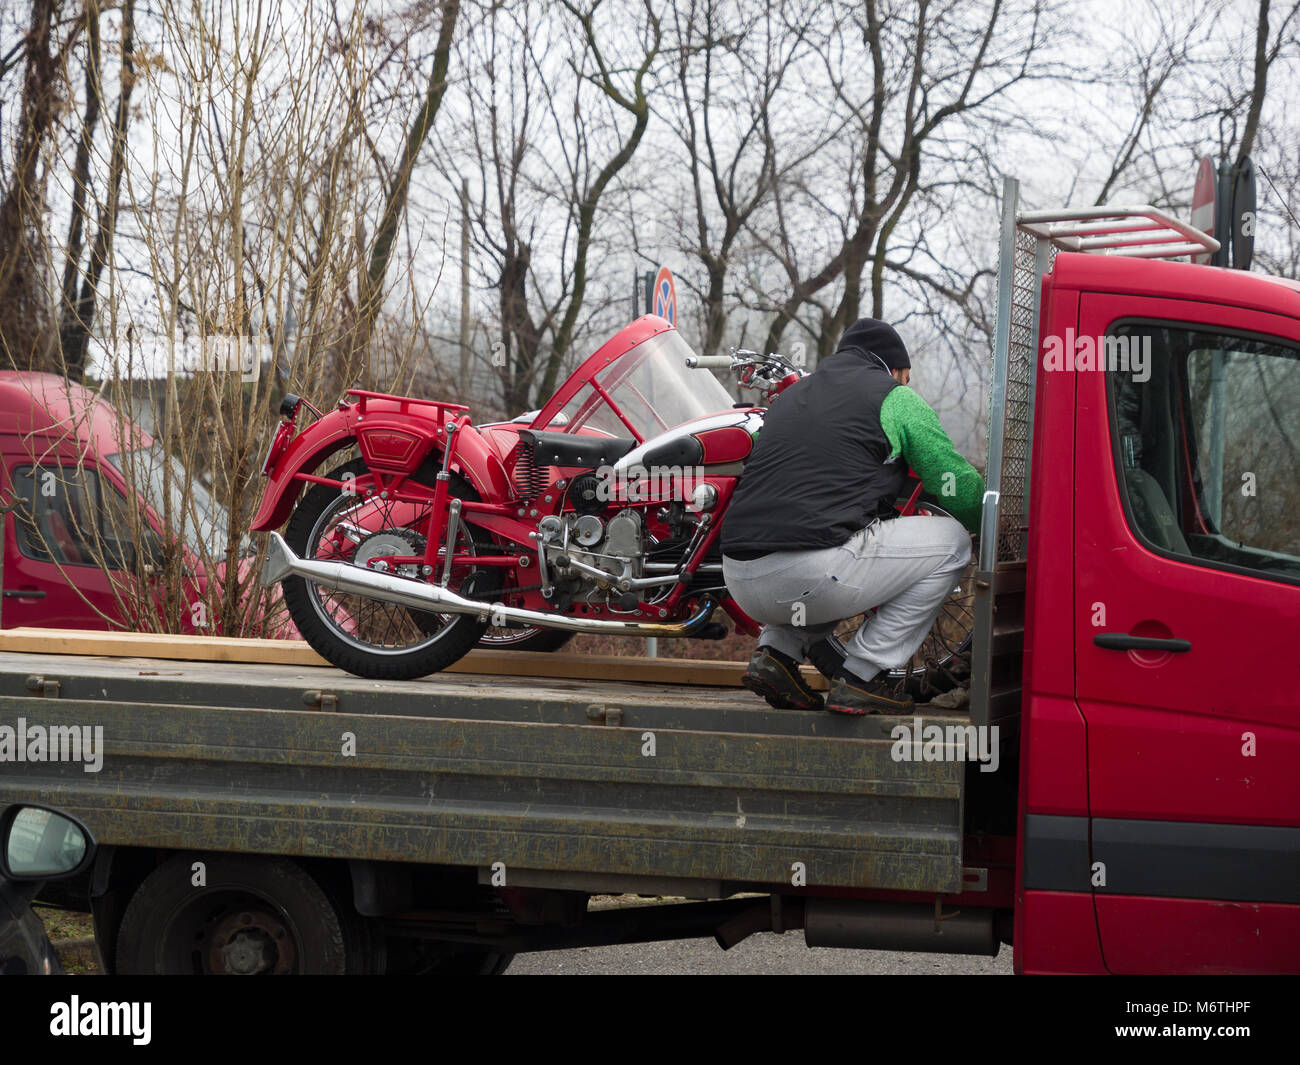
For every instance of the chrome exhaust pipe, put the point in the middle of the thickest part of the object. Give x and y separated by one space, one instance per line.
281 562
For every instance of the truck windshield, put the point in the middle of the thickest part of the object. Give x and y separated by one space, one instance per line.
178 498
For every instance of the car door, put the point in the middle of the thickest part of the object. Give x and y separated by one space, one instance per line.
1187 637
67 562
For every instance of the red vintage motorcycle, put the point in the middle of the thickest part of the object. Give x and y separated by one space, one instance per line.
599 513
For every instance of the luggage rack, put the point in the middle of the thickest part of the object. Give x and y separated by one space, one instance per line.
1144 232
445 411
1029 241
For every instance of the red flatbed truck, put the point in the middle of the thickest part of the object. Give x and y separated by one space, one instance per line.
1135 644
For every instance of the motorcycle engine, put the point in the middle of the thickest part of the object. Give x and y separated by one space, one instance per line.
614 547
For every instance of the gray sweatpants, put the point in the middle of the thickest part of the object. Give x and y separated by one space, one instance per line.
906 567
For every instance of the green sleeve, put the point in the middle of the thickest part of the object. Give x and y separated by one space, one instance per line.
913 431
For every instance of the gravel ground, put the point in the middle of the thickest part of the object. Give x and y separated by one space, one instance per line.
763 954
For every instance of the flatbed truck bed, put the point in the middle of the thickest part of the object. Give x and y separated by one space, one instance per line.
560 786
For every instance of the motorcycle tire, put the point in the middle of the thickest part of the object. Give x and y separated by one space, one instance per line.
529 639
449 637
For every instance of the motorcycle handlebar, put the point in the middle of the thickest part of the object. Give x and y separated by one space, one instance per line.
709 362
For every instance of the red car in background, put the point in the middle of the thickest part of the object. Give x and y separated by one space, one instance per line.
68 457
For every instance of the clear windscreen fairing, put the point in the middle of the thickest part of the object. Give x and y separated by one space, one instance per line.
651 389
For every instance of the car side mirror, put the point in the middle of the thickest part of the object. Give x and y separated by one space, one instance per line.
37 843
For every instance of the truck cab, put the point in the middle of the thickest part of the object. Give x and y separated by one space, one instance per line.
1160 713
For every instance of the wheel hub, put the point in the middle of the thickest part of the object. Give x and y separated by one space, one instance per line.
249 943
388 542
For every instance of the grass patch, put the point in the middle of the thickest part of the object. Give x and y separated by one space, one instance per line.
73 936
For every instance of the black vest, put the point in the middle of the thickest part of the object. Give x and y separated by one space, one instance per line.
818 472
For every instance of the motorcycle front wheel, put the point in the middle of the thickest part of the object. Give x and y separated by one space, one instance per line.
367 637
504 638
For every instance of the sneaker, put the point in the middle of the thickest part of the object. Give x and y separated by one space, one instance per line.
776 677
852 695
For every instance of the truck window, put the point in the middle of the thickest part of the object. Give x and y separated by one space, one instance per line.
1206 428
67 516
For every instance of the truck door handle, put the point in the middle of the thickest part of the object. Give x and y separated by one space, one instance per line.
1122 641
24 593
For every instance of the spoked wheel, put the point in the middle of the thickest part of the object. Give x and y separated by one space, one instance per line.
941 663
365 636
503 638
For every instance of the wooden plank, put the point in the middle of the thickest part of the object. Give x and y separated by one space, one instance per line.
156 645
297 653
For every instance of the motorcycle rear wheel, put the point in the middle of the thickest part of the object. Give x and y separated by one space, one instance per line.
368 638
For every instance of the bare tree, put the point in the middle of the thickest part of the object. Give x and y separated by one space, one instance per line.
80 316
931 67
552 122
732 105
372 285
28 316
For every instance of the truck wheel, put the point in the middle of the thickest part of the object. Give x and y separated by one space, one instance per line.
251 916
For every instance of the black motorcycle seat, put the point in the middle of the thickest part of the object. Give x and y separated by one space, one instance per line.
570 449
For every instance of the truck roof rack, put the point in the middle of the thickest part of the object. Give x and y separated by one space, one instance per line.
1140 231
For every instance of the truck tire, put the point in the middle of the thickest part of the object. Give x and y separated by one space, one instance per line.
250 916
432 641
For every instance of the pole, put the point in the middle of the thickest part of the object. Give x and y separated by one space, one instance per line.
464 288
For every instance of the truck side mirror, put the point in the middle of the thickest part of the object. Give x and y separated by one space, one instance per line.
37 843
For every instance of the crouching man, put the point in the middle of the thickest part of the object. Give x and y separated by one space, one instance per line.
812 535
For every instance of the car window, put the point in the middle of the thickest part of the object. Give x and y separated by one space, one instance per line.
66 514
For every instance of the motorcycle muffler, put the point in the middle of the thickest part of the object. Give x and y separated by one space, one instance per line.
281 562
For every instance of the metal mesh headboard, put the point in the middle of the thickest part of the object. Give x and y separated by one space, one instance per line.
1028 248
1023 259
1017 425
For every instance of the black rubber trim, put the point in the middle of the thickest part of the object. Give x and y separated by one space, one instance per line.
1196 860
1164 859
1056 853
1122 641
24 593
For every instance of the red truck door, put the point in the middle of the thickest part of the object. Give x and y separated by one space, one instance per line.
1187 635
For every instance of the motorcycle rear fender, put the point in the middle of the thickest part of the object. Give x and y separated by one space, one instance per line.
389 445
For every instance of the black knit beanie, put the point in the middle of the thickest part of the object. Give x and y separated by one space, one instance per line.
871 335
